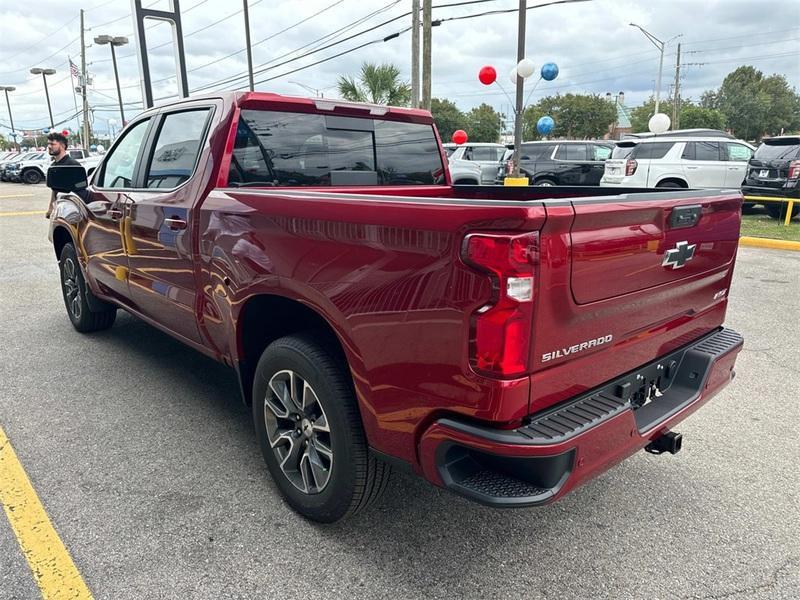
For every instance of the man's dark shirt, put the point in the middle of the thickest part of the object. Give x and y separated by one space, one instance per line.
68 161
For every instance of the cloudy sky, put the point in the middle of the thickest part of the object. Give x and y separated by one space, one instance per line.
595 48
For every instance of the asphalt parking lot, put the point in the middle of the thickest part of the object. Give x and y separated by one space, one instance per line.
144 459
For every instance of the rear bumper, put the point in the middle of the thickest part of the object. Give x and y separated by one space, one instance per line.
566 445
789 189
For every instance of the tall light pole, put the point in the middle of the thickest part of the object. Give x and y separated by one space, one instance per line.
114 42
6 89
44 73
247 43
660 46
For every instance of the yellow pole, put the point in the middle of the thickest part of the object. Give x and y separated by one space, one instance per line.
788 213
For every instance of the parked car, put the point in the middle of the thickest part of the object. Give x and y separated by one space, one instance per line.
11 168
672 162
90 163
486 155
774 170
502 343
562 162
32 170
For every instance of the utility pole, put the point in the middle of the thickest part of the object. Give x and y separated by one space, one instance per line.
247 41
87 140
523 10
415 53
676 106
426 54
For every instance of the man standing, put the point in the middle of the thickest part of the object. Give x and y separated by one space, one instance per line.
57 148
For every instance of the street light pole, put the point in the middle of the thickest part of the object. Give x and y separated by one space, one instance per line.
113 42
660 46
6 89
44 73
247 43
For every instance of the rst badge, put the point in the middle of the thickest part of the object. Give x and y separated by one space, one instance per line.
678 256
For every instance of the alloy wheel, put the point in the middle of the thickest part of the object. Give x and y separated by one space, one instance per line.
72 288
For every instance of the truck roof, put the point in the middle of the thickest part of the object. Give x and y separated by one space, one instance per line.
316 105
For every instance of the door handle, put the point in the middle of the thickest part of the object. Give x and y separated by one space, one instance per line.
734 168
114 214
175 223
693 168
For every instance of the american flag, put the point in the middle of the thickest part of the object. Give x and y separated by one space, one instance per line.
73 68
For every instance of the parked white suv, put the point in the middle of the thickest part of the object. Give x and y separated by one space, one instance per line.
663 161
486 155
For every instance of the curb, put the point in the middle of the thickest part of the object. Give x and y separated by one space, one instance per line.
755 242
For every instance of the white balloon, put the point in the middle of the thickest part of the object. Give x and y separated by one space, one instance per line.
512 76
658 123
525 68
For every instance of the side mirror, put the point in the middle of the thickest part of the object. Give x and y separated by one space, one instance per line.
67 178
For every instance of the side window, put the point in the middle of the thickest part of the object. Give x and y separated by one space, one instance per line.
737 152
571 152
121 162
407 154
601 153
701 151
177 146
486 153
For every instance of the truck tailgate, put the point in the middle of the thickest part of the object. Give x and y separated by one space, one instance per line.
626 279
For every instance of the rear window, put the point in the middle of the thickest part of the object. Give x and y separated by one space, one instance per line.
652 151
775 151
484 153
622 151
298 149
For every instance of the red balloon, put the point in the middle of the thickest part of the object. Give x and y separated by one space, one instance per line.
65 133
459 136
487 75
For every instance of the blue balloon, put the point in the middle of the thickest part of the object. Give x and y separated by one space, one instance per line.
545 125
549 71
45 130
93 147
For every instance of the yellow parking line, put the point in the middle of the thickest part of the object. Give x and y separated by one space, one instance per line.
21 213
48 558
19 196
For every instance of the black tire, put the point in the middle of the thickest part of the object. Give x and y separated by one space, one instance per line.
670 184
545 182
777 210
465 182
352 479
32 176
77 296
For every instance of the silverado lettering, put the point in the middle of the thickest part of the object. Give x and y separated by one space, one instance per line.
376 315
577 348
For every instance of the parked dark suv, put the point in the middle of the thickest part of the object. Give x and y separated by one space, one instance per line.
774 170
561 162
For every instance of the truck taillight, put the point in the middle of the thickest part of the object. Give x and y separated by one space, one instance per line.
794 169
630 167
501 330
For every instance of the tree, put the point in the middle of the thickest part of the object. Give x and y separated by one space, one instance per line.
755 105
691 117
447 118
379 84
484 124
578 116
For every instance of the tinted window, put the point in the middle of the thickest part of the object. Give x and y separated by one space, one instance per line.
76 154
701 151
737 152
449 151
601 152
407 154
293 149
778 151
537 151
176 149
571 152
654 150
623 151
121 162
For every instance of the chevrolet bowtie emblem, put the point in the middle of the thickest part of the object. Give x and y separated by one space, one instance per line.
679 255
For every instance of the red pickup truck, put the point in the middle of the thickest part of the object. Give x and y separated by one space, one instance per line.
508 344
